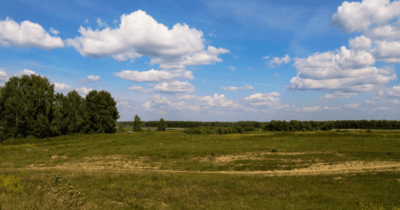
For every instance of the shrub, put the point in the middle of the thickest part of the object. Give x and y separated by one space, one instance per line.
161 125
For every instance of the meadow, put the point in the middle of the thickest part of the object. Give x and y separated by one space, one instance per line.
174 170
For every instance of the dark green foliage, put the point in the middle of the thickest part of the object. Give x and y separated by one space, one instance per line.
24 103
100 114
137 124
161 125
30 107
214 130
327 126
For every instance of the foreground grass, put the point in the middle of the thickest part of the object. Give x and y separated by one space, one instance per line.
176 151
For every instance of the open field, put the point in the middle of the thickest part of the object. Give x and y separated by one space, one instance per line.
174 170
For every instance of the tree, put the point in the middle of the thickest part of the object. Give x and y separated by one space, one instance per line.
101 113
161 125
24 104
137 124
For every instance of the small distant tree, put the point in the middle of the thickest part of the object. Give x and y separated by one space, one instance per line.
137 124
161 125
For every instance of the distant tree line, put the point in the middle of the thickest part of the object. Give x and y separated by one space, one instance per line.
274 125
192 124
29 107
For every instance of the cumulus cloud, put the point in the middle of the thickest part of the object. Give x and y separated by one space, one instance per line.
164 103
92 78
153 75
276 74
360 43
233 88
61 87
27 35
54 31
360 16
123 104
83 90
387 51
250 68
352 105
232 68
382 108
26 72
276 61
174 87
310 109
338 94
139 34
139 89
392 92
346 71
331 108
101 23
3 76
264 99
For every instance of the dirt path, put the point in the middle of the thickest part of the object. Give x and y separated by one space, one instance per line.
316 169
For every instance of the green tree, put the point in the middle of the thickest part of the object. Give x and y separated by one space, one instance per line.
25 102
101 113
137 124
161 125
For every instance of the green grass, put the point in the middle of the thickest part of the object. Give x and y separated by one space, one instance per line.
176 151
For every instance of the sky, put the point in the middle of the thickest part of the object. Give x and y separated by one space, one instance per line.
214 60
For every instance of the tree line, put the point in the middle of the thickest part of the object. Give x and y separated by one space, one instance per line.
278 125
29 107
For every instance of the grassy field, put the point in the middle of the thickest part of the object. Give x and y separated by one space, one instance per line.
173 170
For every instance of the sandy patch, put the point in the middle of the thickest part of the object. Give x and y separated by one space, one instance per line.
56 157
220 159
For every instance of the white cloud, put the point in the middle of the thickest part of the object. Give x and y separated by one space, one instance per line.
232 68
54 31
338 94
83 90
61 87
360 43
360 16
264 99
101 23
332 108
175 87
3 76
387 51
139 89
233 88
92 78
123 104
250 68
310 109
276 74
394 101
276 61
139 34
262 96
86 21
27 34
153 75
83 80
392 92
26 72
382 108
266 57
346 71
352 105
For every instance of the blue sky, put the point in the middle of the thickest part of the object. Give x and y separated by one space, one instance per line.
213 60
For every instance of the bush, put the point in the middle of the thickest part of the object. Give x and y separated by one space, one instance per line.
161 125
137 124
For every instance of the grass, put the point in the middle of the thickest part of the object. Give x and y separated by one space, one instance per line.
159 170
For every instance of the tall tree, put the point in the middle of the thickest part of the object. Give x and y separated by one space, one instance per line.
161 125
137 124
25 102
101 113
